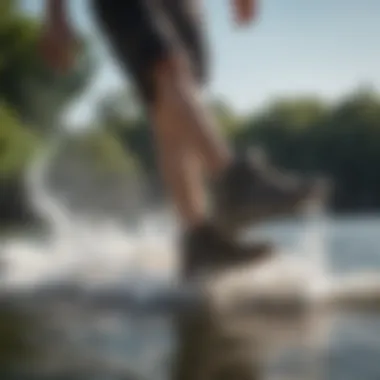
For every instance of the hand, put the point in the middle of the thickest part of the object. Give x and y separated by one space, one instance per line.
244 11
57 40
56 51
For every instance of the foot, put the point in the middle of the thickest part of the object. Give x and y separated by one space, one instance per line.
205 249
251 190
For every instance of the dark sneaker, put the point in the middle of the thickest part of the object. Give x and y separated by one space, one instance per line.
252 190
205 249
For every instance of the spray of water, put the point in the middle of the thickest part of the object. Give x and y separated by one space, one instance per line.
102 252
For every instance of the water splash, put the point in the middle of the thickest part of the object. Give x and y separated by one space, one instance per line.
79 249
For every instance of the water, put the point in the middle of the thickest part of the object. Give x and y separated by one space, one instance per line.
123 345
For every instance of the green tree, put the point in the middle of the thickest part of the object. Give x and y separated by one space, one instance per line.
17 144
341 140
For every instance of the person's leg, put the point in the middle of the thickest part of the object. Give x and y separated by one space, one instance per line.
164 73
186 142
180 114
146 41
150 45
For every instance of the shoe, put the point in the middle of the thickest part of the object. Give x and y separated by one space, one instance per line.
205 249
252 191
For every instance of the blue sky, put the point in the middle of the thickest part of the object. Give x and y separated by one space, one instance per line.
324 47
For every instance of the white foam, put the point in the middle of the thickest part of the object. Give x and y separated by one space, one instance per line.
104 252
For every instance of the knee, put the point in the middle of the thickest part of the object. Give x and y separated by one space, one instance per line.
171 72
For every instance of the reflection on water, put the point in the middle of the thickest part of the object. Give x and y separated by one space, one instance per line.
247 347
199 345
63 341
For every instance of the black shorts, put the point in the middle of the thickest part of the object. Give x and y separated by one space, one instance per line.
143 32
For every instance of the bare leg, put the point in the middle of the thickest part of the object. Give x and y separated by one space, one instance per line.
186 139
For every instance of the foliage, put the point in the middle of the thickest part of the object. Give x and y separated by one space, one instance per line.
341 140
17 143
